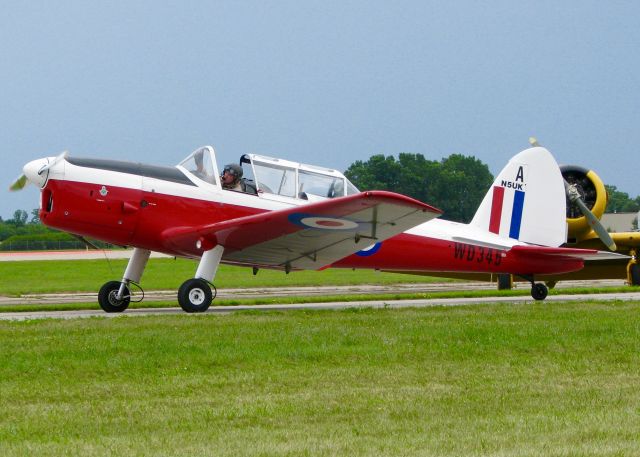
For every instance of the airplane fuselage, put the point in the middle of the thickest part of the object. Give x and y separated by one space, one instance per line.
135 205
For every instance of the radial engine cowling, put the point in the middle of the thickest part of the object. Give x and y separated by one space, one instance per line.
593 194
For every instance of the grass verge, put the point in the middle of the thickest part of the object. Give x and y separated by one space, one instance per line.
502 380
18 278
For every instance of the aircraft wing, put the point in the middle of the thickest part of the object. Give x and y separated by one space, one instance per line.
306 237
626 239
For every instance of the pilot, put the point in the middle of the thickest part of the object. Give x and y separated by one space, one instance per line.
230 177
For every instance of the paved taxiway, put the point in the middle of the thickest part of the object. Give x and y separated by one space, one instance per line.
629 296
274 292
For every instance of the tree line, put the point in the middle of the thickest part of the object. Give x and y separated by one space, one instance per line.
24 232
620 202
455 184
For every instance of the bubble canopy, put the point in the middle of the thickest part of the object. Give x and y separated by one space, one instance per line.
269 176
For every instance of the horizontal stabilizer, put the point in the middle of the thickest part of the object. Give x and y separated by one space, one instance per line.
482 243
584 254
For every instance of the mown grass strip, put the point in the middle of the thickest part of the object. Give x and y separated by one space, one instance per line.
34 277
526 380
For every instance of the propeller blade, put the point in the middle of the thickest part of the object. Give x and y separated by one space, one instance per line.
593 221
18 184
63 155
597 226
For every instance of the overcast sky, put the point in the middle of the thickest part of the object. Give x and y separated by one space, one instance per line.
321 82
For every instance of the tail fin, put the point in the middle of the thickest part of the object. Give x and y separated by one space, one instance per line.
527 201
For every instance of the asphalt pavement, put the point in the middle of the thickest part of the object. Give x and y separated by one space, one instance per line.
297 291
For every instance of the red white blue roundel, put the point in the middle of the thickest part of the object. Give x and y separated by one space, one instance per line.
366 252
322 222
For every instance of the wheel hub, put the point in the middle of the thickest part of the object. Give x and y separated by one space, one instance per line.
197 296
113 298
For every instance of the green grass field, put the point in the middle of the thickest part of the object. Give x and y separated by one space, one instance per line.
18 278
492 380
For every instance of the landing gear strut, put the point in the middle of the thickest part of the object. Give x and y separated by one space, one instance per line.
633 269
115 296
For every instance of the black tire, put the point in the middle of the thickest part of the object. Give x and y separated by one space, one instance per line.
107 297
195 296
539 291
635 274
504 281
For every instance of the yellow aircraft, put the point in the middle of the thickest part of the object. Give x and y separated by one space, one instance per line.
586 231
586 202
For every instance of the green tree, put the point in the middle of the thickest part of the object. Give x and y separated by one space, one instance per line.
455 184
35 216
461 185
6 230
379 172
620 202
19 218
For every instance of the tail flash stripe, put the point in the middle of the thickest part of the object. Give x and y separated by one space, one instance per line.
496 209
516 215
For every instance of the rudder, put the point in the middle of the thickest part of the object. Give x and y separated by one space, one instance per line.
526 201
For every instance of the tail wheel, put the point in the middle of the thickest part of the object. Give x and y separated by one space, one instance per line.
107 297
195 296
539 291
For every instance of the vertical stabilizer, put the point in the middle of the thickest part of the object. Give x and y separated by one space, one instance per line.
526 201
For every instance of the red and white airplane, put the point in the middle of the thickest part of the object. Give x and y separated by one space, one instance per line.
292 216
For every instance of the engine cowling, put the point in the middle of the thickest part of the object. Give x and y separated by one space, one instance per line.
593 194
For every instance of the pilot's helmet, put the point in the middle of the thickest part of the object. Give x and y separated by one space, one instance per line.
234 170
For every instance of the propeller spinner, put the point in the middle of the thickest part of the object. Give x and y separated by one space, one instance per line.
36 172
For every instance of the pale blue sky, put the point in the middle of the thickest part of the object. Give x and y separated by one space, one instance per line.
324 82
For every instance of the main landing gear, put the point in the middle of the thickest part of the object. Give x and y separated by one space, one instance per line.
633 269
194 296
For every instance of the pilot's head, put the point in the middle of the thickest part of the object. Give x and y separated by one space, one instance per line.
231 174
233 170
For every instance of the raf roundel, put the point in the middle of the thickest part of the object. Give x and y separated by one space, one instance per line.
322 222
366 252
